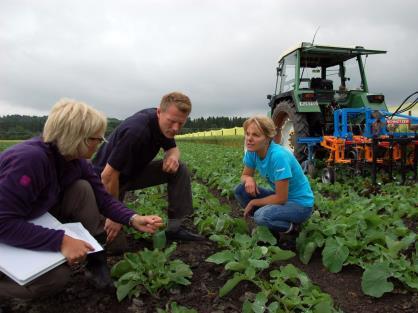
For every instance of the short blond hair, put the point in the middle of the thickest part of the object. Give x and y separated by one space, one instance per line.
70 123
181 101
264 123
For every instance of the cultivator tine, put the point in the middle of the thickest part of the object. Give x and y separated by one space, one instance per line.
374 161
390 169
403 161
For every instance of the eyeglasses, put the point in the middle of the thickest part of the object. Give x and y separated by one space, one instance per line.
99 139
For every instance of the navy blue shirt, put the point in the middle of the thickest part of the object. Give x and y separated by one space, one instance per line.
133 145
33 177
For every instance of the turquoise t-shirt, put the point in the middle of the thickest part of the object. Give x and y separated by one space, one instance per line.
280 164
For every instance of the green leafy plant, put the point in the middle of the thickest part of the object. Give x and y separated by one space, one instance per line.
245 257
149 271
173 307
148 201
375 280
289 290
365 231
211 216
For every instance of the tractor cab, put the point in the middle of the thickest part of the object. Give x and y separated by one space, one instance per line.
312 82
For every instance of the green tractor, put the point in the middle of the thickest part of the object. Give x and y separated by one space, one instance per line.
312 82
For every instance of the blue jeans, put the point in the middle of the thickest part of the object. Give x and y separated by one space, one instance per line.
277 217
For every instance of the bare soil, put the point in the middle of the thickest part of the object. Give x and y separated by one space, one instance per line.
208 278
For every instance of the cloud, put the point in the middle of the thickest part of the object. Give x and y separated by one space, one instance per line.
122 56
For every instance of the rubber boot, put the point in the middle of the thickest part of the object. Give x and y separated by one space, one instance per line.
97 270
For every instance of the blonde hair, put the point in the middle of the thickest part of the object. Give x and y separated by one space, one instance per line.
181 101
264 123
70 123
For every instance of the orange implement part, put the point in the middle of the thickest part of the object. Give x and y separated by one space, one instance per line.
336 147
362 146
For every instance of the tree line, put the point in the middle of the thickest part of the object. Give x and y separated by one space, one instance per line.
18 127
211 123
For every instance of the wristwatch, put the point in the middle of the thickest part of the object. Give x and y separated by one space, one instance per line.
132 219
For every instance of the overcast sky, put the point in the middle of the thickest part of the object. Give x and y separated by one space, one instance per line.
122 56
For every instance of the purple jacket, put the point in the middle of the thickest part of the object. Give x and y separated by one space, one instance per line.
33 176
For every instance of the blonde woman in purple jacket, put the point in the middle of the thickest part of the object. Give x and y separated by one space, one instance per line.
51 174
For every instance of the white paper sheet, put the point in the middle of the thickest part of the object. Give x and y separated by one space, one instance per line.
24 265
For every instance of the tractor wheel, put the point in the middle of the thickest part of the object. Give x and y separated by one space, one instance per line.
328 175
291 125
356 164
309 168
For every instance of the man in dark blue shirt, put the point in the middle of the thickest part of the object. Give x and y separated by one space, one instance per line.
126 162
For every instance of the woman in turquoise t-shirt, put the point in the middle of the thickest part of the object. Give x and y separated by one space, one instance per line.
290 201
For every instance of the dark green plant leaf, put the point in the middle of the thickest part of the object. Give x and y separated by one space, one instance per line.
120 268
259 305
230 284
263 234
124 289
334 255
277 254
306 252
221 257
375 280
159 240
235 266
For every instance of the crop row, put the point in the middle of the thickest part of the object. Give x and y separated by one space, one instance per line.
349 225
250 257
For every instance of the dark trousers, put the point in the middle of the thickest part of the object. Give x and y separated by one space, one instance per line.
78 205
178 188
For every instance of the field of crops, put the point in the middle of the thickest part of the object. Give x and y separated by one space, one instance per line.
4 144
358 252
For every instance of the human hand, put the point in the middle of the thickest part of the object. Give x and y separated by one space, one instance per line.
248 209
251 187
147 223
170 164
112 229
75 250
